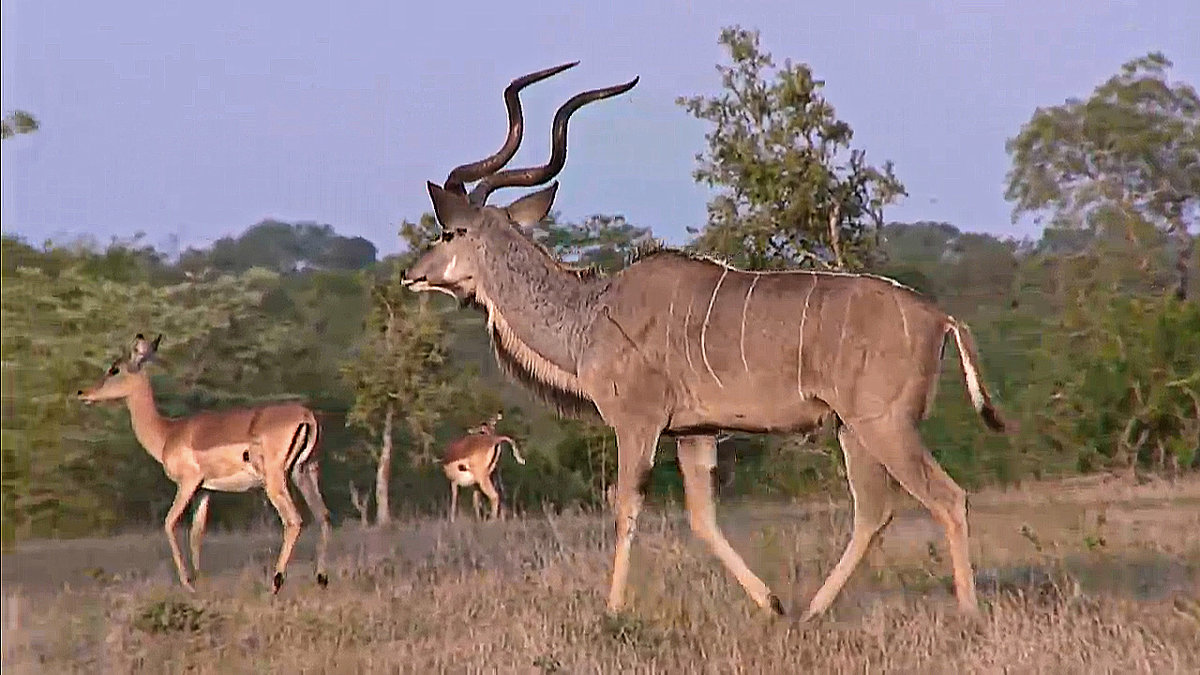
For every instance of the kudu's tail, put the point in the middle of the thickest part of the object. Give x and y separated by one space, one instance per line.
969 358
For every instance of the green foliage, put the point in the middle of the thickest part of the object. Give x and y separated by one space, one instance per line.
284 248
1134 145
792 190
1125 160
604 241
1120 373
17 122
172 616
401 365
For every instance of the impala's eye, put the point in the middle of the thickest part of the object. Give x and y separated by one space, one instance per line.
115 370
447 235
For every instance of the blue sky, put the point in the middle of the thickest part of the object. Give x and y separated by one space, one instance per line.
196 120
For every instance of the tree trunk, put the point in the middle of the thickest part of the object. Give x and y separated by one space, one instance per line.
1187 244
383 515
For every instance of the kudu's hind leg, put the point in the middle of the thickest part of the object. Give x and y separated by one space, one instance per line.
307 478
898 446
196 536
697 460
277 492
872 491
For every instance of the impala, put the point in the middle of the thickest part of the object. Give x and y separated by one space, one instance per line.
227 451
687 346
472 459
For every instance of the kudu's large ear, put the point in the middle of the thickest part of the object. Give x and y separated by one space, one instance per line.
448 206
532 208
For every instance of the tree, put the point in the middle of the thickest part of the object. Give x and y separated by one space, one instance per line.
601 240
1123 163
400 370
17 122
792 192
284 248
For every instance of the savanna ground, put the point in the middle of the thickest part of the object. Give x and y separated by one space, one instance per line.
1082 576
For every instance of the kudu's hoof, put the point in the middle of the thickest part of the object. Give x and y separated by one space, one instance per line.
322 580
276 582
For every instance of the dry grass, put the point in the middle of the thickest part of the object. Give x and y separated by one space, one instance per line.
1089 579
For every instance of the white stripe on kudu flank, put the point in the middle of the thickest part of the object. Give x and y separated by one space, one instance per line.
704 328
745 305
800 349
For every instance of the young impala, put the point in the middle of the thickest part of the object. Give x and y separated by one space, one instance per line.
228 451
472 459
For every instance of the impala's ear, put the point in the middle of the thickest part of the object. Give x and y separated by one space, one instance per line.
532 208
448 206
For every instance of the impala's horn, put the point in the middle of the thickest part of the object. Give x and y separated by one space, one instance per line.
558 148
469 173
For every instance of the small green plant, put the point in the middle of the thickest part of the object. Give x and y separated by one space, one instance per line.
629 629
171 616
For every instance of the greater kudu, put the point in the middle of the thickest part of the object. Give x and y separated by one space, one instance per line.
687 346
227 451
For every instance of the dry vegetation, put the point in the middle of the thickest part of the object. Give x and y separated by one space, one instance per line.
1083 578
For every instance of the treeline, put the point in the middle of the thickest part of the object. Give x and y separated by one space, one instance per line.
1098 374
1089 336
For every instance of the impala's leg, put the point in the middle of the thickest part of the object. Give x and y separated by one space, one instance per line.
476 508
871 488
897 444
634 451
182 496
697 460
493 495
307 478
277 492
453 499
199 522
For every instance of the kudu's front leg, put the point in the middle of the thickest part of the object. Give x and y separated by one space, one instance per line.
635 450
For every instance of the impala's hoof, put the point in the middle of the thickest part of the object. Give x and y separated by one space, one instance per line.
322 579
276 582
776 605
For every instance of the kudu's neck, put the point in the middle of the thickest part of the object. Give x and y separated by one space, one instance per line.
546 307
149 427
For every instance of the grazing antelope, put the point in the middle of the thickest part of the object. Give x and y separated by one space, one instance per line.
227 451
687 346
472 459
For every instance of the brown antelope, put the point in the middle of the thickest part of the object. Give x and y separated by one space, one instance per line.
472 459
227 451
686 346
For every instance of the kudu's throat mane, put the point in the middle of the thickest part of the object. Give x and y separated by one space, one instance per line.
530 266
